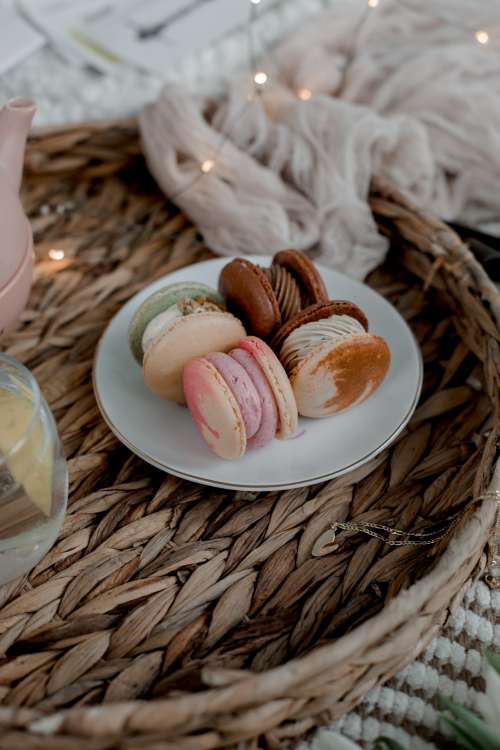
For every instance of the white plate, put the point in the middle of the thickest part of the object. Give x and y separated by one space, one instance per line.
163 433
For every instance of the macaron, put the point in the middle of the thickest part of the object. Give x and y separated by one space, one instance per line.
240 400
266 298
332 361
305 273
279 382
269 423
165 299
249 294
173 326
318 312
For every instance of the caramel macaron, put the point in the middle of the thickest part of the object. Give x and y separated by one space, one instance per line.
318 312
332 361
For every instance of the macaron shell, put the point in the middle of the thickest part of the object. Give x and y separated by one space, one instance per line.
160 301
214 409
303 269
189 337
279 382
334 377
269 422
249 294
242 388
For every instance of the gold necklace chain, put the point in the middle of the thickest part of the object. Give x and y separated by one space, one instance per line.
398 538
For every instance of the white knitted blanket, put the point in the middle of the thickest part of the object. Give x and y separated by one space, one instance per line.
407 708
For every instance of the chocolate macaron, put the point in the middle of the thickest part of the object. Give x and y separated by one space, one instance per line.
332 361
266 298
305 274
249 295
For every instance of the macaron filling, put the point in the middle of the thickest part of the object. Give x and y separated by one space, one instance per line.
164 320
308 336
279 383
286 290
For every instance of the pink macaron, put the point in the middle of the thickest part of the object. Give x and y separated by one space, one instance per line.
268 425
242 388
241 399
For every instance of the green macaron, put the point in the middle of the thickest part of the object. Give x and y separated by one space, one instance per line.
161 301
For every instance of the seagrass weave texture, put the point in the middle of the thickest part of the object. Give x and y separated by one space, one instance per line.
197 618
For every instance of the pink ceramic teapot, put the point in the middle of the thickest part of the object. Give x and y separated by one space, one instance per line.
16 239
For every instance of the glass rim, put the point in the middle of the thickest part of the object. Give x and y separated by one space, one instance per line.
35 397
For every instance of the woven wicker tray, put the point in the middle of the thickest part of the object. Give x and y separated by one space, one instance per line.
196 618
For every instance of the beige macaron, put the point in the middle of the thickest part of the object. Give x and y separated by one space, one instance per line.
186 338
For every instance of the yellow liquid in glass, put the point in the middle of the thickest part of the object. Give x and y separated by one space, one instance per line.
26 448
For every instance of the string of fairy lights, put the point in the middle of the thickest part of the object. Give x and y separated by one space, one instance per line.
261 79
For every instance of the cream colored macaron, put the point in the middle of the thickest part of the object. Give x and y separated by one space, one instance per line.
187 337
169 303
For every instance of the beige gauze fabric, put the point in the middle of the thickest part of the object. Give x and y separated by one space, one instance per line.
396 92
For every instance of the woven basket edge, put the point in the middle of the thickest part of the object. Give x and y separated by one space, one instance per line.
479 523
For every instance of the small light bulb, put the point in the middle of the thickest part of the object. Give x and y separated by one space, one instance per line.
260 78
304 94
56 254
373 3
482 37
207 165
255 2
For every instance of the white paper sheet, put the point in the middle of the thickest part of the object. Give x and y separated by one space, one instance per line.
62 22
155 35
151 35
18 39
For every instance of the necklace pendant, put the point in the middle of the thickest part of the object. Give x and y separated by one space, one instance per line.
325 544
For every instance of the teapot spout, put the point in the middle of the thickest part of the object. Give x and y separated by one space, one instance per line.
15 123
